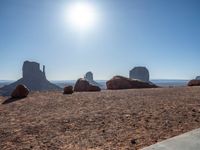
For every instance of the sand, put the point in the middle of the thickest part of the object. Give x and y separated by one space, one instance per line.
124 119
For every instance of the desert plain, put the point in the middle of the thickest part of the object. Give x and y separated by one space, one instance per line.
121 119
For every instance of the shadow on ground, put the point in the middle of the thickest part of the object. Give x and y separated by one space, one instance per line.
11 100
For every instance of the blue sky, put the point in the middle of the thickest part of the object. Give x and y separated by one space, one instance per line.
163 35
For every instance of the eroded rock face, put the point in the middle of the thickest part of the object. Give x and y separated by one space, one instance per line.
68 90
119 82
198 78
20 91
89 76
83 85
31 70
33 78
140 73
194 83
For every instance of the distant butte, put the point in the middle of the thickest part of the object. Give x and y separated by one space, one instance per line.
33 78
89 77
140 73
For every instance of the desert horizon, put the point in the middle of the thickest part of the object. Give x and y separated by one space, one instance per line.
99 75
120 113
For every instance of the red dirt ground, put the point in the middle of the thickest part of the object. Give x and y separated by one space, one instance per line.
126 119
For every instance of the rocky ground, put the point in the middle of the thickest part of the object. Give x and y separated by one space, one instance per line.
126 119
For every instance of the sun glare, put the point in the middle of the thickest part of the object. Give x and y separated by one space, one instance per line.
81 15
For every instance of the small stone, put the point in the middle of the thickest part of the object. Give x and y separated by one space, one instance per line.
68 90
133 141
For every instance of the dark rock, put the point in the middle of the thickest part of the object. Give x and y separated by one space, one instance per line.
119 82
33 78
133 141
194 83
140 73
20 91
68 90
94 88
83 85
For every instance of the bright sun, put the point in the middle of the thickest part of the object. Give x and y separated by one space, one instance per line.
81 15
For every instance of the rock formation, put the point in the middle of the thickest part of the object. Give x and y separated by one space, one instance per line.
31 70
33 78
68 90
140 73
83 85
89 77
20 91
198 78
119 82
194 83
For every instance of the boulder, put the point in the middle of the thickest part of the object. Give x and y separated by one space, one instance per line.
119 82
68 90
94 88
20 91
194 83
83 85
140 73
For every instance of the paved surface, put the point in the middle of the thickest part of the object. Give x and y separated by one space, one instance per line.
187 141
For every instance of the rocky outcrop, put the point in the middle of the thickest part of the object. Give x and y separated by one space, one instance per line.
198 78
83 85
20 91
89 76
119 82
194 83
140 73
33 78
68 90
31 70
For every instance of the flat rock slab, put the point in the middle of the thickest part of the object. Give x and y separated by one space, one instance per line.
187 141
